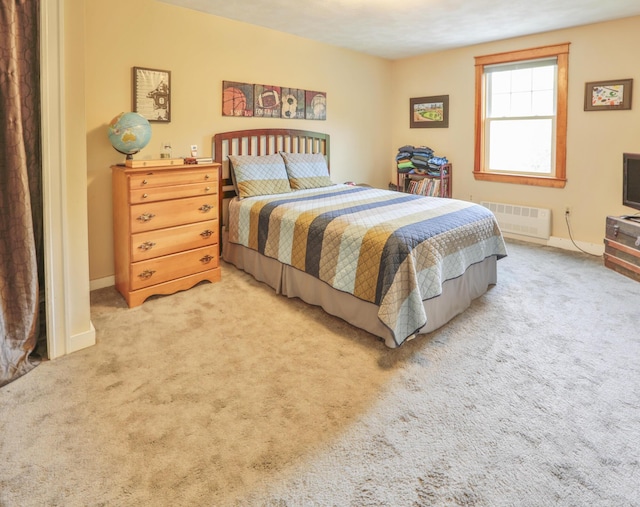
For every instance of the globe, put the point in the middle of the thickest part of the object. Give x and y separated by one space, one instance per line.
129 133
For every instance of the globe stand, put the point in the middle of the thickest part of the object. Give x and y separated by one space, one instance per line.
128 159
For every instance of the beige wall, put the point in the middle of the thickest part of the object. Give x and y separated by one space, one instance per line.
75 150
595 141
368 102
201 51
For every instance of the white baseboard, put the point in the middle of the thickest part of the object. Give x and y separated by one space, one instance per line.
82 340
562 243
101 283
527 239
554 241
567 244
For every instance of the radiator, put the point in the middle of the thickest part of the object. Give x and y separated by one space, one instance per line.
535 222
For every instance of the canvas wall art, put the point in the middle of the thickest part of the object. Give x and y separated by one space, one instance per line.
237 99
271 101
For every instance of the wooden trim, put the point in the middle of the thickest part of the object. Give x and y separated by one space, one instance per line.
479 120
540 181
559 179
561 115
523 54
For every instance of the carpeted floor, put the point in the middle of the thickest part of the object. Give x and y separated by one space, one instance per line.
228 395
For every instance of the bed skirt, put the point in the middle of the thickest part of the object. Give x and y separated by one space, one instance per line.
456 296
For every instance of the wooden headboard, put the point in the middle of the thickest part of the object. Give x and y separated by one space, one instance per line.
260 142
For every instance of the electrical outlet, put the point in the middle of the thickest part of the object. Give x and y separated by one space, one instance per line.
567 210
194 150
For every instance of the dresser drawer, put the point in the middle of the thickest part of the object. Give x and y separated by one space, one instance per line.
174 266
158 215
137 196
147 245
622 247
162 178
165 229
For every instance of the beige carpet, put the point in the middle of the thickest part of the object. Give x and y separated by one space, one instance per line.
228 395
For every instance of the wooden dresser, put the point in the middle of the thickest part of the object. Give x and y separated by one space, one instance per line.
622 246
165 222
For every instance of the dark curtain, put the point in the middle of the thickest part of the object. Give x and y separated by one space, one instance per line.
21 232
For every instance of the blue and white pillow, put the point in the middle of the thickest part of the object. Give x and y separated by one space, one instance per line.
307 170
259 175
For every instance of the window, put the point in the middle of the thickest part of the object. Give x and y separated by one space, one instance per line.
521 116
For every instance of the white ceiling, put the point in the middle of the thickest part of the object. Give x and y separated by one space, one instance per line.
401 28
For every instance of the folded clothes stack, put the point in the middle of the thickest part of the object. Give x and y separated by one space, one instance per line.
403 159
419 160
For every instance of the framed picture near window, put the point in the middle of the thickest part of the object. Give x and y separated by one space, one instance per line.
429 112
152 93
608 95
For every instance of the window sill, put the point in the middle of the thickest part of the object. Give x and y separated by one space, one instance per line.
540 181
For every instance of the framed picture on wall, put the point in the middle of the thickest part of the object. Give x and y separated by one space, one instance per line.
152 93
315 105
237 99
608 95
429 112
267 101
293 106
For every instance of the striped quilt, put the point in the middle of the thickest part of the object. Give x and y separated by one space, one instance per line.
389 248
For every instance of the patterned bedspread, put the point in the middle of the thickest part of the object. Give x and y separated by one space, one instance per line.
389 248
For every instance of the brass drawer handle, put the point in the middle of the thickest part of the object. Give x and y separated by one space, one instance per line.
206 259
206 189
145 217
144 182
206 176
147 245
206 234
145 195
146 274
205 208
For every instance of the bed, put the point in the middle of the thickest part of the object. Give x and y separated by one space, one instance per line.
396 265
